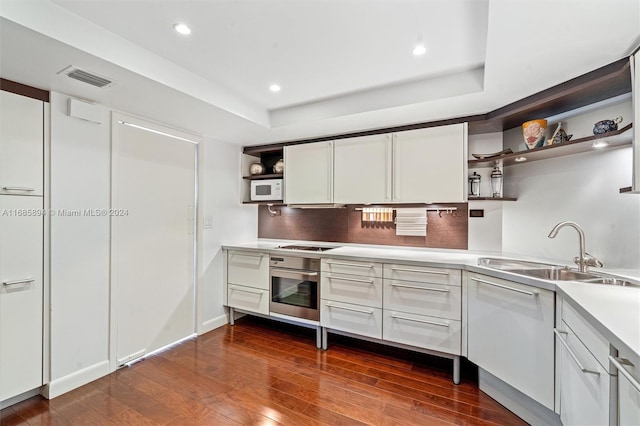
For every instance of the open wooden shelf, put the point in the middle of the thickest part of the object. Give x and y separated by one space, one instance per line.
493 199
625 189
262 177
616 139
274 202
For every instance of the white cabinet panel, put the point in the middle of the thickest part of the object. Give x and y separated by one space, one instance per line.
635 78
249 269
422 331
248 299
510 334
352 289
308 175
21 295
362 170
357 319
628 388
429 165
590 337
21 144
351 267
584 395
423 298
425 274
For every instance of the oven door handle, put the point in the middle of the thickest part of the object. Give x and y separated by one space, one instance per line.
284 273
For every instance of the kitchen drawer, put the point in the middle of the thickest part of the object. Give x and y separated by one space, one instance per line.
425 274
628 387
248 299
422 331
249 269
351 267
591 338
443 301
352 289
357 319
584 383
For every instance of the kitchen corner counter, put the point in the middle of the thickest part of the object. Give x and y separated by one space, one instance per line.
614 311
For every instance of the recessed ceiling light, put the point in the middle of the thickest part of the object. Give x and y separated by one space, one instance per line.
182 29
275 88
600 144
419 50
520 159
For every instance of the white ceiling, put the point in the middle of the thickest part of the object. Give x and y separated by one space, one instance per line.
343 65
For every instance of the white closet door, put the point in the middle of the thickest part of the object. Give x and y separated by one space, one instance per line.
153 242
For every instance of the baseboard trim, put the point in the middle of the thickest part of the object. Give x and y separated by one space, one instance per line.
520 404
74 380
19 398
213 323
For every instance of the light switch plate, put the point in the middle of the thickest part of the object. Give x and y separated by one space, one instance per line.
208 222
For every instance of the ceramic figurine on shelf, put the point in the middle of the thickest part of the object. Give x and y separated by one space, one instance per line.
534 133
559 136
605 126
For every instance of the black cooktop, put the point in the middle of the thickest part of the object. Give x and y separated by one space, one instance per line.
306 248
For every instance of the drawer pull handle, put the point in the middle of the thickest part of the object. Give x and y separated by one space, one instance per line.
417 287
259 256
345 308
355 280
422 271
18 188
440 324
559 333
620 363
355 265
246 290
24 281
506 287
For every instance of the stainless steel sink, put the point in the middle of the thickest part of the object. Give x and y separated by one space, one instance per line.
553 272
511 264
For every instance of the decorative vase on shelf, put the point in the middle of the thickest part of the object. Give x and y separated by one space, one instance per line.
257 169
534 132
279 166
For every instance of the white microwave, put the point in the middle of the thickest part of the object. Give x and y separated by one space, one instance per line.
267 189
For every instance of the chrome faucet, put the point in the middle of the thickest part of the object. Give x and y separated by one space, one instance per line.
584 260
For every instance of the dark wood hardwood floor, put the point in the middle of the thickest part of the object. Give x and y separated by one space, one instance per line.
260 372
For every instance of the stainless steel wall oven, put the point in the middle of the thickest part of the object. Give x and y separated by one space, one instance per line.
295 287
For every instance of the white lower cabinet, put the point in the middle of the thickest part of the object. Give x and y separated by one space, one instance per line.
584 383
21 295
248 286
422 331
510 334
248 298
356 319
627 365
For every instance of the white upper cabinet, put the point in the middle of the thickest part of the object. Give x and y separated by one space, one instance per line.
21 145
362 170
308 176
430 165
635 78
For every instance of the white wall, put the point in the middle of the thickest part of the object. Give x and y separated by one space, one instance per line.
231 222
583 188
80 179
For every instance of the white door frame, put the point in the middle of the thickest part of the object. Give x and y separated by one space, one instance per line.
119 119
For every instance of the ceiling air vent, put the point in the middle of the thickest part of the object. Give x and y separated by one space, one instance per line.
86 76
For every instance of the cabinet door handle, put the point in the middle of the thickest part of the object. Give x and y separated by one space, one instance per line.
620 365
244 290
355 280
355 265
417 287
439 324
506 287
18 188
24 281
345 308
559 333
422 271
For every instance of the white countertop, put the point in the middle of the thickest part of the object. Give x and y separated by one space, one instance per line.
614 311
